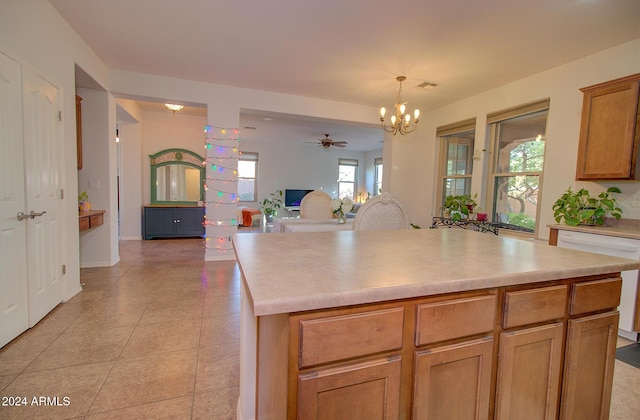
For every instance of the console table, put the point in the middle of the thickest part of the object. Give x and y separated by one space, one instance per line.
465 224
172 222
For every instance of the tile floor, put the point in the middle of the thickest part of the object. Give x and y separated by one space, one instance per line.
156 336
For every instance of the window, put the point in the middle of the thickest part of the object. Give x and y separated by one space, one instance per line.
347 178
456 158
515 178
377 181
247 168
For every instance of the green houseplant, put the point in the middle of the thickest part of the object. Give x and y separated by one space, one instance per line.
270 205
458 206
578 207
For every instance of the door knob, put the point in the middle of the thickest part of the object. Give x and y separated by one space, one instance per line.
33 214
21 216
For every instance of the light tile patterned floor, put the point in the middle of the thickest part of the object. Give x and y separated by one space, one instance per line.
156 336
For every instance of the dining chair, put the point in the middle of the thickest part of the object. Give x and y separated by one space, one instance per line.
316 205
382 212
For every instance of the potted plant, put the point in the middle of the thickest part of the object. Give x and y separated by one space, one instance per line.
271 204
578 207
83 202
481 216
458 206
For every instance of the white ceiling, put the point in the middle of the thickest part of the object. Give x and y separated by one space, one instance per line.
351 51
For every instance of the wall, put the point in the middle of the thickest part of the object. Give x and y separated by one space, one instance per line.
283 167
418 154
34 34
98 247
164 130
224 105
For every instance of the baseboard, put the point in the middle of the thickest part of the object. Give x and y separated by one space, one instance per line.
229 257
131 238
96 264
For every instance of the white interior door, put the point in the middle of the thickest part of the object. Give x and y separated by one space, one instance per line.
42 157
14 314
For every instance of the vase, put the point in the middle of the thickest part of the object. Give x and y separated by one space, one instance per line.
341 218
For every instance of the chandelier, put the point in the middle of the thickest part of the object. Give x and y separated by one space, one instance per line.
401 121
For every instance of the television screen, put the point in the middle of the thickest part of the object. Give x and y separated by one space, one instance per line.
292 198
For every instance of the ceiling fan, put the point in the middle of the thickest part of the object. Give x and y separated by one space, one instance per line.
326 142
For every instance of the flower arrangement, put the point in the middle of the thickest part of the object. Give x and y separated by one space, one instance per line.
340 207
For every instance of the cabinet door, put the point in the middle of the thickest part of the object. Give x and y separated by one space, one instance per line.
453 382
367 390
529 373
159 222
608 144
189 221
588 370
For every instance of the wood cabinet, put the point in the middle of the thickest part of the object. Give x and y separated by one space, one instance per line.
453 381
172 222
544 351
610 131
529 366
90 219
529 372
365 390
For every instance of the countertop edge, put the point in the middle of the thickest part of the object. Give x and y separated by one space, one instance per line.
265 307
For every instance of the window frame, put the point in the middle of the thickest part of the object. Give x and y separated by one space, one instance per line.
348 162
446 134
249 157
494 121
378 169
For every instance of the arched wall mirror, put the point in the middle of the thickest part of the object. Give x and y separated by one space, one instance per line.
177 177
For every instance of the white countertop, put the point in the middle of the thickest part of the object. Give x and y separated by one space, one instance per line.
305 271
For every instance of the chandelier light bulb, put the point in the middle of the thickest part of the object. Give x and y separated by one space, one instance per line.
393 120
416 114
402 108
383 111
407 117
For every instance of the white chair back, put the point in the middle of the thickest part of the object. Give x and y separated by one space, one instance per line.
316 205
382 212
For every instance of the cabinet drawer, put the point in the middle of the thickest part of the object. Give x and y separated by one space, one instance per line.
595 295
457 318
342 337
84 223
96 220
524 307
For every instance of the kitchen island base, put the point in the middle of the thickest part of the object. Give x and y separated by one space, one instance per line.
546 349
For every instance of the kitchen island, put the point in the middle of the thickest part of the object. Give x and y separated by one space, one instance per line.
409 324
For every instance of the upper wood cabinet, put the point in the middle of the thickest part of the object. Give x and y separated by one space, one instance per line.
610 130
